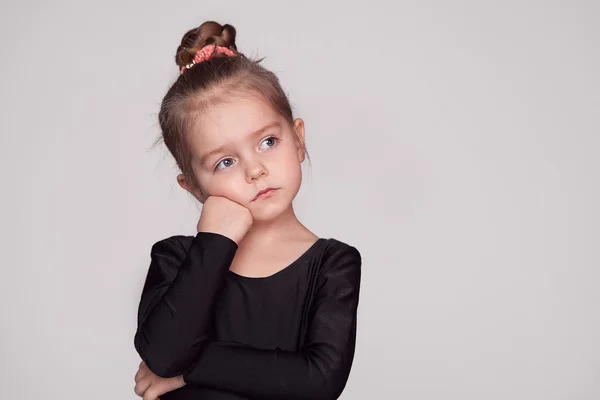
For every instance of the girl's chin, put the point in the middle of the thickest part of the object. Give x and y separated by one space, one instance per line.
268 212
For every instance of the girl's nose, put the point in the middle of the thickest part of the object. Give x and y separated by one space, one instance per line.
255 170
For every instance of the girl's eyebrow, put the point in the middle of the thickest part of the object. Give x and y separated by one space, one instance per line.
224 146
264 129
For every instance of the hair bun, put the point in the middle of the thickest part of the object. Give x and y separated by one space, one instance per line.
209 32
228 34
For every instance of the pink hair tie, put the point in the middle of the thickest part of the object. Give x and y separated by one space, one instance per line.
206 53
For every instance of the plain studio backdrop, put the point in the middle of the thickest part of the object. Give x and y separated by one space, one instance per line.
454 143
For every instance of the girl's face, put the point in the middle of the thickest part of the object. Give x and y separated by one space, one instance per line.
242 146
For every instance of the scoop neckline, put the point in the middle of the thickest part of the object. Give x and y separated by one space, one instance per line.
281 271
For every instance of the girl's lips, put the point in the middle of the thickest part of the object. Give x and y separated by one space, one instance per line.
265 193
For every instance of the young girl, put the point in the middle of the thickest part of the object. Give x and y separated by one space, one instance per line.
255 306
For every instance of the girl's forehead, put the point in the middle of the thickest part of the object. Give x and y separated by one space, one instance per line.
231 120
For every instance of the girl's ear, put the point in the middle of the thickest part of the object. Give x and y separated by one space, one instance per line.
299 131
187 184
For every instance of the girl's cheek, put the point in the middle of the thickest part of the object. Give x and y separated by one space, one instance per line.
222 186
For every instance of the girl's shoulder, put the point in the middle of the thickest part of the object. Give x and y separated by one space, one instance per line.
334 245
176 241
335 252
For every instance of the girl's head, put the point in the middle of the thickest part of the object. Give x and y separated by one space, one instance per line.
229 126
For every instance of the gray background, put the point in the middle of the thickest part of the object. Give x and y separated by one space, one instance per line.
454 143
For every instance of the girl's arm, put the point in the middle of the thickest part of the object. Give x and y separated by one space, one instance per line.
319 370
177 300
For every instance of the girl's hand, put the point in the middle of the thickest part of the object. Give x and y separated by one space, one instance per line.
226 217
149 385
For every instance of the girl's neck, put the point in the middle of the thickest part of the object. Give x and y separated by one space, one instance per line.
285 226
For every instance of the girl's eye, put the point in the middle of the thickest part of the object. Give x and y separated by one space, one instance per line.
225 163
270 142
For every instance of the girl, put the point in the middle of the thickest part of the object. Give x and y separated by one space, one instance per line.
255 306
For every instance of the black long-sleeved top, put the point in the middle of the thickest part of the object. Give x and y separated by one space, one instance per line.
287 336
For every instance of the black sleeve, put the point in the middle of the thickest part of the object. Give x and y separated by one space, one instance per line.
319 370
177 300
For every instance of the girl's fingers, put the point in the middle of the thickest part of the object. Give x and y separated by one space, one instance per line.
140 374
142 386
150 395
